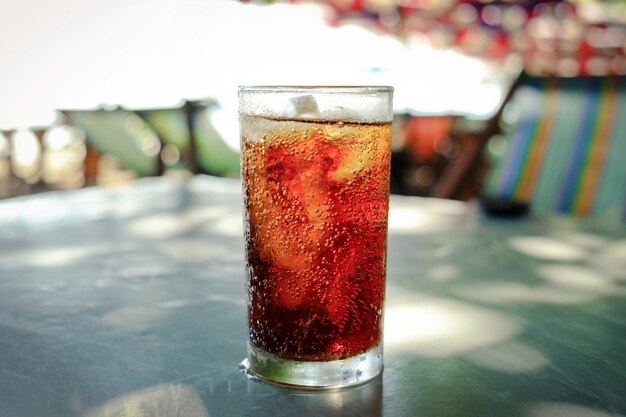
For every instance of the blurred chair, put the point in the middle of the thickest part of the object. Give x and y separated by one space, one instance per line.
172 127
558 144
427 148
153 141
191 141
214 156
461 178
117 137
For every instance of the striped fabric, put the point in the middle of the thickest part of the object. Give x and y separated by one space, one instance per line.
567 150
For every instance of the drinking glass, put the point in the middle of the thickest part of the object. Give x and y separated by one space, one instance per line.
315 168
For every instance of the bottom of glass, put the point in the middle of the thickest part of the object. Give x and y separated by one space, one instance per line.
314 374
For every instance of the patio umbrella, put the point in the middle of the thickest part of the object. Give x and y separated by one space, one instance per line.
550 37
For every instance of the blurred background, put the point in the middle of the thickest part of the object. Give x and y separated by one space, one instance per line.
507 101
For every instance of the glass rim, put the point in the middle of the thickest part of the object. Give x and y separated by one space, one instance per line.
328 89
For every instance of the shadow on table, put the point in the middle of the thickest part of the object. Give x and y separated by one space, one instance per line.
522 318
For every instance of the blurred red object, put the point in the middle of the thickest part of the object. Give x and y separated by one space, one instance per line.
425 134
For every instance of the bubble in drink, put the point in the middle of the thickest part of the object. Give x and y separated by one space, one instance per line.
316 196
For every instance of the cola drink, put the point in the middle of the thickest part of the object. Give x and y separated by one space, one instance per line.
316 196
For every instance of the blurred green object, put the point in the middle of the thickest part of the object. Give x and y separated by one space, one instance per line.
151 141
123 134
170 124
214 156
189 130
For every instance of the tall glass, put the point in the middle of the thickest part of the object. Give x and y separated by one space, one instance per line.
315 170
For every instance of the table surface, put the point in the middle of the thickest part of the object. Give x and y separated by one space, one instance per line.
130 302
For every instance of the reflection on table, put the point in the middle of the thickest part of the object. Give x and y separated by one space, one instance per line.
129 301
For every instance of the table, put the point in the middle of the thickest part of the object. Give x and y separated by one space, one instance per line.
130 302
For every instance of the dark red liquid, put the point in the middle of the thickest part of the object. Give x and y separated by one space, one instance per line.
316 199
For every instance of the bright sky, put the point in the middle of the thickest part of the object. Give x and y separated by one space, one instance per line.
138 53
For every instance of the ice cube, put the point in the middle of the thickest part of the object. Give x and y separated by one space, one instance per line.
335 113
302 107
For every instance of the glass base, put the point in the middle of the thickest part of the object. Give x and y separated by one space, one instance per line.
315 374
